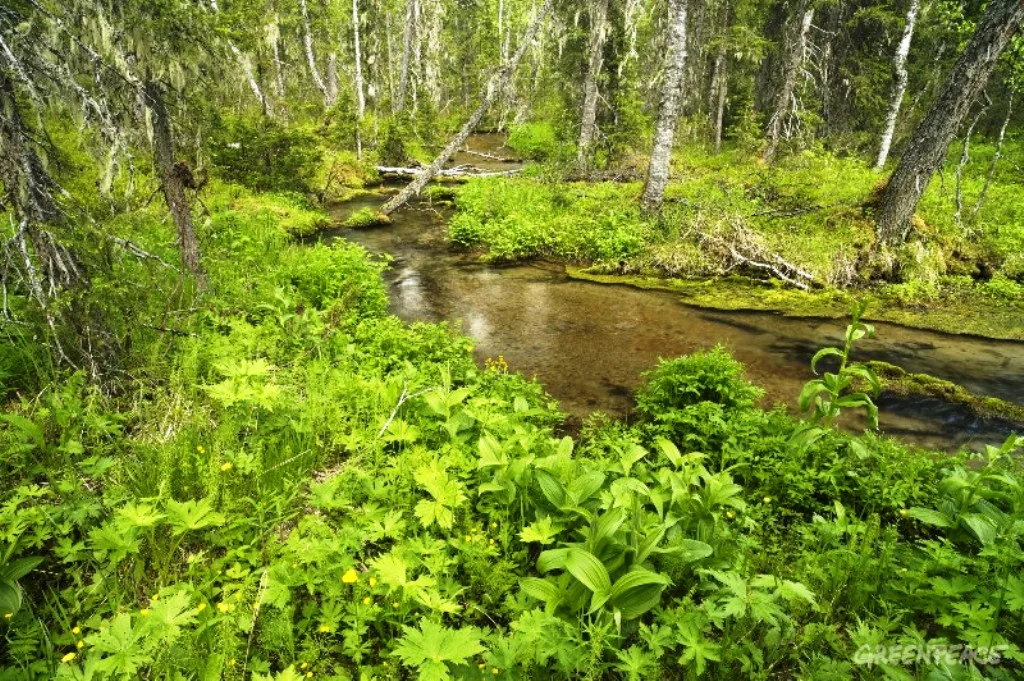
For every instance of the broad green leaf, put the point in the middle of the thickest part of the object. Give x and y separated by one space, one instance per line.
19 568
550 487
821 354
541 589
552 559
588 569
931 517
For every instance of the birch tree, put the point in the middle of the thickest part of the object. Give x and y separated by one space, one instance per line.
899 88
668 110
784 101
595 54
360 97
407 54
927 146
314 71
496 84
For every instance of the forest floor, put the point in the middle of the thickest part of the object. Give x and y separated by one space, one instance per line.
296 484
729 218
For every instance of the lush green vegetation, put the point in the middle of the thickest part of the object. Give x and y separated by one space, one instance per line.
293 483
812 211
221 457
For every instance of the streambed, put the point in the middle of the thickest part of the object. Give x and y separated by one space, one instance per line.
588 343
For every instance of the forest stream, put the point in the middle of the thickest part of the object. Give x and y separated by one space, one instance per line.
588 343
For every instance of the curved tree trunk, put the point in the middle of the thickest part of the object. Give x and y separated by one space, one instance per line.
311 57
173 180
927 147
668 111
588 119
899 69
495 86
781 111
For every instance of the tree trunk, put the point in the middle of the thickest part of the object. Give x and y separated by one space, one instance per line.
407 54
360 98
722 74
665 127
332 80
927 147
172 176
254 85
588 119
274 37
311 58
798 48
996 156
495 86
899 70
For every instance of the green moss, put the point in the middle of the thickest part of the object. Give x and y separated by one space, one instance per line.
968 315
289 211
897 381
366 217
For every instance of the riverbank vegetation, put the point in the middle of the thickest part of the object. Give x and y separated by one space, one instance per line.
222 458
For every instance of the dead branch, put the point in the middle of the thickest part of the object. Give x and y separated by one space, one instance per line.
740 247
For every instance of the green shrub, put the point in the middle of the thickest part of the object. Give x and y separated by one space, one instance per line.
711 376
536 141
263 155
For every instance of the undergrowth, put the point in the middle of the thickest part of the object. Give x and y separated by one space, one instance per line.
812 211
289 483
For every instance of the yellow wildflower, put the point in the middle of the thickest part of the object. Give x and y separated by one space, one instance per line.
324 629
225 467
304 665
144 612
367 600
80 644
492 542
730 514
231 662
904 512
373 582
8 615
494 525
350 577
200 608
481 665
155 598
309 675
68 657
395 605
76 631
494 670
200 449
225 607
767 500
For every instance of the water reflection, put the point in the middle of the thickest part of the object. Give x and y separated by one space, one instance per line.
588 343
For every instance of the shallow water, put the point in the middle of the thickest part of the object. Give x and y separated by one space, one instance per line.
588 343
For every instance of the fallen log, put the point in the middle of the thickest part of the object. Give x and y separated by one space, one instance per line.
491 157
462 171
496 86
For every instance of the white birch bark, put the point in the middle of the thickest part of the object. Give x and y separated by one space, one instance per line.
668 111
899 68
360 97
407 54
782 108
311 58
496 84
588 119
